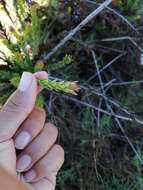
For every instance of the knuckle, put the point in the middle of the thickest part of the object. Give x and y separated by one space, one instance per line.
40 111
60 151
52 128
16 104
13 106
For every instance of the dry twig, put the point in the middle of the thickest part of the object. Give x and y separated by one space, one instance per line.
77 29
116 13
112 112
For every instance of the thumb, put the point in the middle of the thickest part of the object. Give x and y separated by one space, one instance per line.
18 106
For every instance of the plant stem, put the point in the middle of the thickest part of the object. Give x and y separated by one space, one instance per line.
77 29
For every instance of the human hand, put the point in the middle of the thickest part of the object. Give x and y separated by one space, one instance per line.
22 126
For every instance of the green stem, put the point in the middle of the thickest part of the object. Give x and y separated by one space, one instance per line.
59 86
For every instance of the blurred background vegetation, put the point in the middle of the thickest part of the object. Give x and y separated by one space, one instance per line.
101 128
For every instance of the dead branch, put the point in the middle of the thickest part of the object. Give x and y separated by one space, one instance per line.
77 29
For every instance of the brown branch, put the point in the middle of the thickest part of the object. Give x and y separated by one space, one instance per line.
77 29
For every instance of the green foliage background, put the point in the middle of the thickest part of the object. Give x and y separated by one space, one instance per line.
23 41
97 153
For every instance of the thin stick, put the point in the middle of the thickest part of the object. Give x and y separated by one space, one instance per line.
132 117
124 38
106 66
77 29
116 13
125 118
123 18
111 110
127 138
127 83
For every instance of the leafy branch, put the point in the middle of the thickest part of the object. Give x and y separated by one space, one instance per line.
60 86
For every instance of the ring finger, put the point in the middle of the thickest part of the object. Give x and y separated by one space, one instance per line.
43 174
38 148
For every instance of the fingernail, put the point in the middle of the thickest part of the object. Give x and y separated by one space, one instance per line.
23 162
29 176
22 140
41 75
25 81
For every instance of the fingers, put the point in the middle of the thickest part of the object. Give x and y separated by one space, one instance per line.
37 148
43 184
30 128
43 174
18 106
48 166
41 75
8 157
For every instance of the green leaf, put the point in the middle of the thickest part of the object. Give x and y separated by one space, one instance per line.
64 62
40 101
15 80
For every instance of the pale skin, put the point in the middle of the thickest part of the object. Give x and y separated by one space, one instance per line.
23 127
